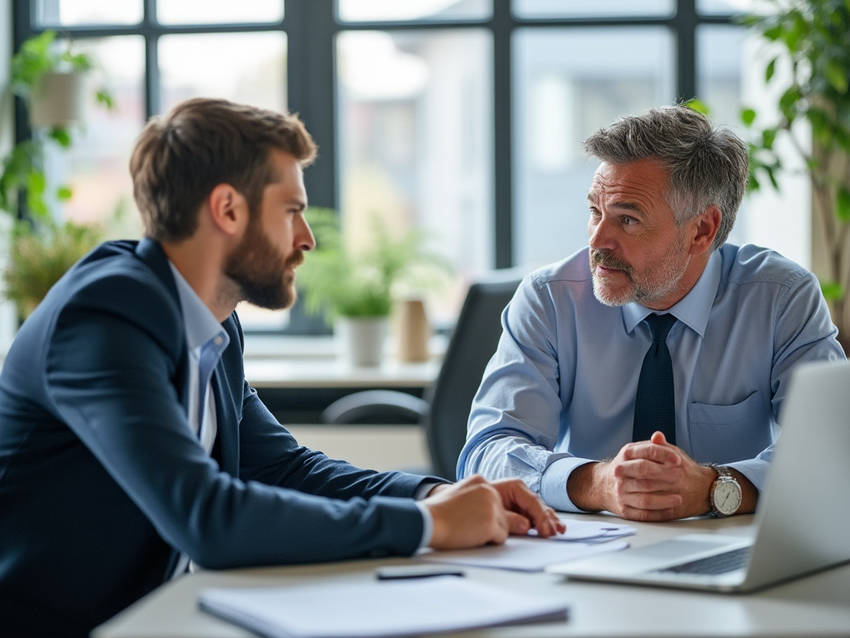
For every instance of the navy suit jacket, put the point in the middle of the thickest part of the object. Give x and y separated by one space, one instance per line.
103 482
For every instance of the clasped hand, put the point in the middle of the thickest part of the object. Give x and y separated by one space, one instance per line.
475 512
654 481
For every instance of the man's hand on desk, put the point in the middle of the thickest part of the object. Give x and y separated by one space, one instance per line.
650 481
475 512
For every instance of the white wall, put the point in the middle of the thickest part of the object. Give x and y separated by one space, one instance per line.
7 314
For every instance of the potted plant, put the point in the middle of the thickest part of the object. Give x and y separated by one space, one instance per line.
49 82
355 289
811 37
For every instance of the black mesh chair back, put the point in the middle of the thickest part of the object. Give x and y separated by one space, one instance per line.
470 347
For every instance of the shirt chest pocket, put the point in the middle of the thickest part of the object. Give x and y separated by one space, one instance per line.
727 433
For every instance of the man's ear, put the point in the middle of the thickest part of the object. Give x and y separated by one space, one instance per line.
228 209
705 229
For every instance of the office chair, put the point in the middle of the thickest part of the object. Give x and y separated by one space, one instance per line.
445 410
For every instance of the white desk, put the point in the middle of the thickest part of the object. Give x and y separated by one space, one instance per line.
312 362
818 605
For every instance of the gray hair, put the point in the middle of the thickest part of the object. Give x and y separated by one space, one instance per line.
706 165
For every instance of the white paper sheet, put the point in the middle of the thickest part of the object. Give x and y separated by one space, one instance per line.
524 554
376 608
590 531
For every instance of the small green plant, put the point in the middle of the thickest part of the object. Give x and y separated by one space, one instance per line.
41 249
811 38
339 282
23 167
41 258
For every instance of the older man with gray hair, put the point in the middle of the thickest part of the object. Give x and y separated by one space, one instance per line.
644 375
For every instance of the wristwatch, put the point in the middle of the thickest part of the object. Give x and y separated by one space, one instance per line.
725 495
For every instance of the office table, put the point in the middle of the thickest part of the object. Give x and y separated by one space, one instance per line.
816 605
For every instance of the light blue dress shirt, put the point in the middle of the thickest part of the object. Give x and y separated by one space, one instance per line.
560 390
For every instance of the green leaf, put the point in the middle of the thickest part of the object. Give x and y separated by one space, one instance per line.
36 183
837 75
61 136
772 177
105 99
697 105
831 290
748 116
768 137
842 203
788 102
753 183
64 193
774 32
769 70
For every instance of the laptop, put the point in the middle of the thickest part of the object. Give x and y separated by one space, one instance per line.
802 522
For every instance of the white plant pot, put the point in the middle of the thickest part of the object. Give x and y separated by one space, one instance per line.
360 340
58 99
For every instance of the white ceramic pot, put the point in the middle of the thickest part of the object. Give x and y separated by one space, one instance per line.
58 99
360 340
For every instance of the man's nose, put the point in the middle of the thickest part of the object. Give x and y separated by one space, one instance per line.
601 234
304 235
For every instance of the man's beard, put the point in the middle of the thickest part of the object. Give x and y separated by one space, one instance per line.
259 271
656 283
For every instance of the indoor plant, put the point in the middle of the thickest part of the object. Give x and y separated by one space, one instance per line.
811 38
42 248
355 289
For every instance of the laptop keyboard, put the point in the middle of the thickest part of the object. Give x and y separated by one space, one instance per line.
717 564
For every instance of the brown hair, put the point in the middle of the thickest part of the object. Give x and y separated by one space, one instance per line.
181 156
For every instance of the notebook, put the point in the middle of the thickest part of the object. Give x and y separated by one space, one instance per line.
376 608
803 515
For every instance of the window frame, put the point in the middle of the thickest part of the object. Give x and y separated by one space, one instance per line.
311 27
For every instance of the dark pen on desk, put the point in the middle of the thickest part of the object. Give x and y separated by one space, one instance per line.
397 572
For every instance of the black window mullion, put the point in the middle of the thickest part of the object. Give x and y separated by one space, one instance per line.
502 135
311 89
153 103
685 28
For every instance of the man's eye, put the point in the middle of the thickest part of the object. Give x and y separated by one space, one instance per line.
628 220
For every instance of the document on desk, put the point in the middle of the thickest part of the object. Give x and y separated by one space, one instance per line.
522 553
590 531
376 608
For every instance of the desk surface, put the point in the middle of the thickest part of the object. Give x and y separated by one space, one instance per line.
313 362
818 605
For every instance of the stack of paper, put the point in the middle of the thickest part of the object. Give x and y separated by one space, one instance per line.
376 608
590 531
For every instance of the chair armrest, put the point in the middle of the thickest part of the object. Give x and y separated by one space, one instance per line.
375 406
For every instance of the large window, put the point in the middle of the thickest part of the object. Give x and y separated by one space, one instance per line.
462 117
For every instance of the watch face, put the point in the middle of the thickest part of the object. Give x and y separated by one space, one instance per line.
727 497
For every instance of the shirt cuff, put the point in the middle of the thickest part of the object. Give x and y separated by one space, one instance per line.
553 483
754 469
426 486
427 524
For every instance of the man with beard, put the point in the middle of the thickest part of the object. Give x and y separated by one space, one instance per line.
644 375
130 442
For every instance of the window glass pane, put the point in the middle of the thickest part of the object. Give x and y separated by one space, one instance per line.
415 118
218 11
590 8
730 74
562 95
96 165
205 66
735 6
74 12
379 10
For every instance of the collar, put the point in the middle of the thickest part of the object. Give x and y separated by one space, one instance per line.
693 309
201 324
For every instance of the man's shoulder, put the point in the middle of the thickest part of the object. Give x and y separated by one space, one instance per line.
571 270
750 264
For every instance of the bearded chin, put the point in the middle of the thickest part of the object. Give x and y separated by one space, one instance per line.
259 272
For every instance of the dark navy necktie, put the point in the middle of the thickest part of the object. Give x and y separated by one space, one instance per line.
654 402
